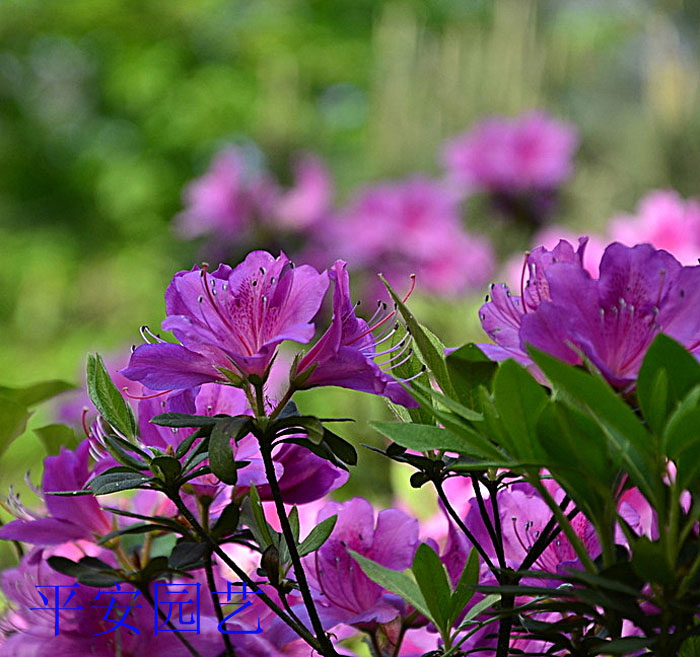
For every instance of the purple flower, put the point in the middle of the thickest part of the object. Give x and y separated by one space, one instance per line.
501 154
226 200
344 355
345 594
666 221
231 318
68 518
311 197
611 320
411 226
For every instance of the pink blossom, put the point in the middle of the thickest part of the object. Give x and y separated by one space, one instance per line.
412 226
503 154
226 199
666 221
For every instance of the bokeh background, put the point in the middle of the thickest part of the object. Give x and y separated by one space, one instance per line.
108 109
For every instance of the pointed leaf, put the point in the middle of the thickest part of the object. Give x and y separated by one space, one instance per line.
108 399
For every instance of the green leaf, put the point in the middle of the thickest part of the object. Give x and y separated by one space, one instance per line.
114 482
227 523
454 406
667 374
340 447
55 436
681 442
294 523
478 609
108 399
650 563
519 400
690 647
136 528
397 582
421 437
167 468
254 518
470 368
432 580
317 536
13 421
429 347
578 455
35 393
187 555
626 436
464 590
481 447
186 444
411 368
89 571
220 450
183 420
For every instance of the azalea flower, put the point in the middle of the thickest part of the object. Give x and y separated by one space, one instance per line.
611 320
232 318
344 355
344 593
666 221
309 200
65 518
406 227
227 199
503 154
31 633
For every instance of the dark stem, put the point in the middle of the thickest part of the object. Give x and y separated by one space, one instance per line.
299 629
324 641
497 546
229 652
399 640
505 625
455 516
493 495
149 598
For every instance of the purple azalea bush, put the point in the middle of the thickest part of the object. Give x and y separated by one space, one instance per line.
202 512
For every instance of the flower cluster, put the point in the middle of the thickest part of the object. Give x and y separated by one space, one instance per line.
518 162
609 321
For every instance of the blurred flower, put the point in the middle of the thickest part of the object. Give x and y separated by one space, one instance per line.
344 593
344 355
226 200
408 227
311 197
503 154
611 320
230 318
68 518
520 162
666 221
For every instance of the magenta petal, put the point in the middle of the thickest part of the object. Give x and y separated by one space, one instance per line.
43 531
166 366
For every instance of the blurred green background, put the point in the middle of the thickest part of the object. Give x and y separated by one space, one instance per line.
108 108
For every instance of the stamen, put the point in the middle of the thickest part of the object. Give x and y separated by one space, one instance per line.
522 281
395 365
83 421
125 390
146 333
371 329
415 376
